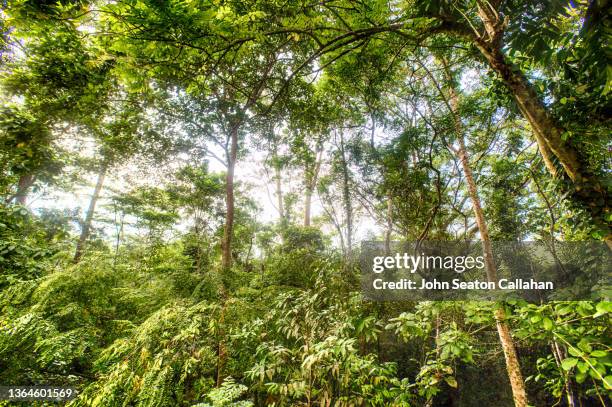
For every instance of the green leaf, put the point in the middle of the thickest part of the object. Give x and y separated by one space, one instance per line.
569 363
602 308
599 354
547 323
585 345
452 382
608 382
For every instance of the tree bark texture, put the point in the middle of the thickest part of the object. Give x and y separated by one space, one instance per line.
346 198
24 184
226 244
588 189
311 178
86 229
513 368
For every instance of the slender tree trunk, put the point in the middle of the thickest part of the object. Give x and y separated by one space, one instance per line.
119 230
519 394
342 242
307 205
517 383
512 363
279 193
199 254
491 269
346 198
24 184
85 230
334 219
559 354
226 245
389 230
311 179
278 179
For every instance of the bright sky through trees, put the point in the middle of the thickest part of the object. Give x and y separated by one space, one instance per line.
186 187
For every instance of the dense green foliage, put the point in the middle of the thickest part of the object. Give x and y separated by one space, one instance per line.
181 281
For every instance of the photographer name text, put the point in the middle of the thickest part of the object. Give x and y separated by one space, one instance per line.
457 284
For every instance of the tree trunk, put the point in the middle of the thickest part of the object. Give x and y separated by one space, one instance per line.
311 183
389 230
517 383
24 184
119 230
226 244
512 364
490 267
85 230
546 131
346 198
559 354
589 190
331 213
279 193
519 394
307 205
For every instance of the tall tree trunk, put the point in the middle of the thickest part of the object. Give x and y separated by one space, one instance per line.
519 394
512 364
546 131
278 178
119 231
589 190
85 230
311 179
226 244
307 205
331 213
389 229
346 198
279 193
24 184
517 383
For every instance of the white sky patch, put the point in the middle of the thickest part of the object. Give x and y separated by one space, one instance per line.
250 170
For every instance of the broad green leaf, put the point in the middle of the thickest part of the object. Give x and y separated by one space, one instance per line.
568 363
